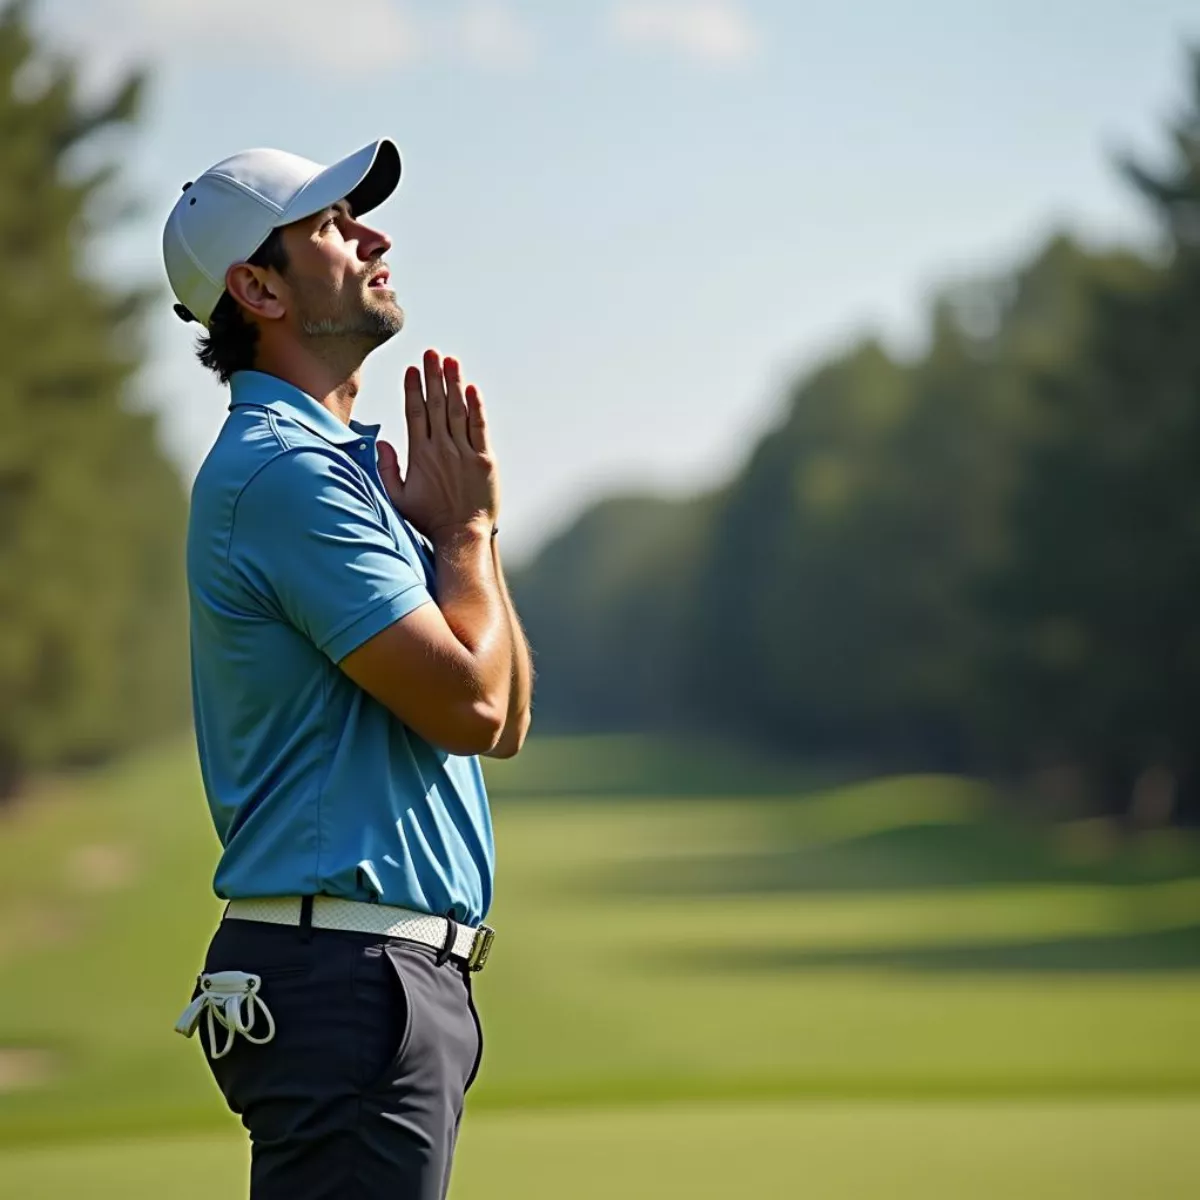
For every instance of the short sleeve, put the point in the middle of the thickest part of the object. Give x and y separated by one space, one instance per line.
310 543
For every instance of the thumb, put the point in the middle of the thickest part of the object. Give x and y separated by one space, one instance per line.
389 471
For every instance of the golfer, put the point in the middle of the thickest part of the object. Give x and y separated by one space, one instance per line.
354 649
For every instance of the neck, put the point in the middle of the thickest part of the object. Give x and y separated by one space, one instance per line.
331 374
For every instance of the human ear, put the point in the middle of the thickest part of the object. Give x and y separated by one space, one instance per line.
254 289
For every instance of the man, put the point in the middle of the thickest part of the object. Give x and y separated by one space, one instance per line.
354 648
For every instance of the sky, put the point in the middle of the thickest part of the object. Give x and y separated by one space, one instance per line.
636 223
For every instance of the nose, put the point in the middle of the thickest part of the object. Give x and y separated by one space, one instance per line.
371 242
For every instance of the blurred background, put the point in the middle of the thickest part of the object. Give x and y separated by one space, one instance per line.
844 365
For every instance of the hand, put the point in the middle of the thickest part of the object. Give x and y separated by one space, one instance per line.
451 480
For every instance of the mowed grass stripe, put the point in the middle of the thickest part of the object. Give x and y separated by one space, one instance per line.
902 1151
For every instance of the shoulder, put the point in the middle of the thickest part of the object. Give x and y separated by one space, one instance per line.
311 497
262 470
296 478
261 454
247 442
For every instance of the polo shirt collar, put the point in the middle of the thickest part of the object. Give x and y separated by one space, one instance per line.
258 389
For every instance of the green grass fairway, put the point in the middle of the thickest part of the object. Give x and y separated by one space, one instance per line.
897 1151
980 994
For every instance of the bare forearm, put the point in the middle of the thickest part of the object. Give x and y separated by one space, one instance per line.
522 685
520 695
471 600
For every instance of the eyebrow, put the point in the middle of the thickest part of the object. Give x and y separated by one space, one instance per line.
340 208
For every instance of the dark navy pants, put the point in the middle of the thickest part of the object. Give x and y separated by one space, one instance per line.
360 1094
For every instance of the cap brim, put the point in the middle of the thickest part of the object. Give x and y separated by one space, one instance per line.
364 179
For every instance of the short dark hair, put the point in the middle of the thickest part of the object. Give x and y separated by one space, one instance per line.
231 340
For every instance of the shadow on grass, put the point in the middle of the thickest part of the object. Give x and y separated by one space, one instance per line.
1166 950
903 858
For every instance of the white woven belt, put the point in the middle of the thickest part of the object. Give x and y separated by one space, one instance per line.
384 920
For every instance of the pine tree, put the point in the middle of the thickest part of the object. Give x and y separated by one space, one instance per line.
1099 613
92 635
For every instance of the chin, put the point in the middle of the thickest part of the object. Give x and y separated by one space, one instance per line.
388 319
383 300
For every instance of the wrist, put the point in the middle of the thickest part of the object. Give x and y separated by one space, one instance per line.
477 529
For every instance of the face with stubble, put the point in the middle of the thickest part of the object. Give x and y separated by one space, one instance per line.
338 285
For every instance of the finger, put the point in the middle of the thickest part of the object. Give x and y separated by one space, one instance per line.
415 413
389 472
477 422
456 404
435 396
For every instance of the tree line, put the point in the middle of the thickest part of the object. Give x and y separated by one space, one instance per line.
983 557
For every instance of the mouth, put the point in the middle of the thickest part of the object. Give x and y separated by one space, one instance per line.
379 279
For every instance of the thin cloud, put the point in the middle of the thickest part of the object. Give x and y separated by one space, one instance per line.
716 32
493 35
312 34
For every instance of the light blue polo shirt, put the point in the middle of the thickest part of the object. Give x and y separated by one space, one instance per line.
295 558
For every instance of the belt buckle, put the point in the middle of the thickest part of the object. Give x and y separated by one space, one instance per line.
480 947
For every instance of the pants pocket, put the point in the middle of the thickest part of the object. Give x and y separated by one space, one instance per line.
479 1034
436 1039
383 1016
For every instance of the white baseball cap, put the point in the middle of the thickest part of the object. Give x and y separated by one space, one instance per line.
226 214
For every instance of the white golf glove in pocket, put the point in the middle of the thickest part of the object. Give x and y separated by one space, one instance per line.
231 1000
